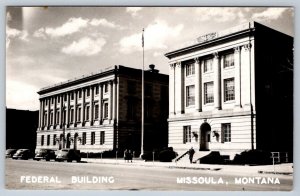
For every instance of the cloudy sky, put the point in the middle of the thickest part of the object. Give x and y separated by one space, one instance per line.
48 45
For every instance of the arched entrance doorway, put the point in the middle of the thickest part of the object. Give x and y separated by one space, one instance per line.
205 130
68 141
75 141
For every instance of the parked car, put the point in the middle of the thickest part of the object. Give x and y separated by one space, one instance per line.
46 154
10 152
23 154
68 154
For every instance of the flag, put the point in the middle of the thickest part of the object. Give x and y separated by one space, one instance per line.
143 39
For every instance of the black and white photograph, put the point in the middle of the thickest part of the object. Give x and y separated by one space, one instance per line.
149 98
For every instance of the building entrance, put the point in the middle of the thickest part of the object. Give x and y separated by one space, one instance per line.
205 130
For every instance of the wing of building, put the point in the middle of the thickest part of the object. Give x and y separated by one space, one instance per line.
233 91
102 111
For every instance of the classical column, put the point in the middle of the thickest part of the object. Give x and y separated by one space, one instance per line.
91 104
40 112
75 107
61 110
198 89
68 109
217 81
237 76
54 113
100 104
172 88
114 105
245 75
110 100
83 106
179 85
48 113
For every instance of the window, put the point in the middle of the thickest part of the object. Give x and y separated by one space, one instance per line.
65 97
57 117
52 99
45 118
72 95
78 114
58 99
208 65
190 95
42 140
228 60
64 116
96 111
229 89
186 134
79 94
131 87
87 114
71 115
105 88
208 92
226 132
97 90
88 92
46 102
51 118
48 140
54 139
190 69
83 141
92 138
105 110
148 90
102 137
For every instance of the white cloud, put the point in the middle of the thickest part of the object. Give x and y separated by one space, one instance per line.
12 33
269 14
219 14
17 89
156 36
104 22
133 10
85 47
73 25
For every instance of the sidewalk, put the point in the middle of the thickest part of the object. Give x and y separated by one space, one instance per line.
284 169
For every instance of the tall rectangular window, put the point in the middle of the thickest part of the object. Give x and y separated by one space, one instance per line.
57 117
92 138
54 139
78 114
105 110
229 89
87 114
96 90
105 88
65 97
58 99
229 60
226 132
51 118
186 134
190 95
208 65
79 94
190 69
72 95
102 137
208 92
87 92
42 140
72 115
96 111
48 140
83 139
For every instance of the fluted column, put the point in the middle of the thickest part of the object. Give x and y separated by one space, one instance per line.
237 77
68 109
100 104
110 111
91 104
54 112
83 106
48 113
75 107
179 85
61 110
198 89
246 75
172 88
217 81
114 105
40 113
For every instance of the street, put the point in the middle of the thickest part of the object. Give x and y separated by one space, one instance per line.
29 174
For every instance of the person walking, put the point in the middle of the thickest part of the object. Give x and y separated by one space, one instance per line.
191 154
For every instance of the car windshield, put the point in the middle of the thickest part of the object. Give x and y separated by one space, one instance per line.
20 151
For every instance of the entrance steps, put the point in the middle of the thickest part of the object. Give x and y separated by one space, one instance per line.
183 157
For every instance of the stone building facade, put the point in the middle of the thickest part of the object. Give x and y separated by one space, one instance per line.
102 111
232 91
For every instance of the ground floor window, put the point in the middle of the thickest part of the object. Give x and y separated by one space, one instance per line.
186 134
42 140
83 142
48 140
54 139
92 138
102 137
226 132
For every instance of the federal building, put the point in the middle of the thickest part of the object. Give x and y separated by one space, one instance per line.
231 91
102 111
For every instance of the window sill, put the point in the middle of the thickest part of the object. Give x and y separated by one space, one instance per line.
229 102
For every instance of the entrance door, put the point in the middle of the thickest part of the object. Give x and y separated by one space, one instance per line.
204 136
68 141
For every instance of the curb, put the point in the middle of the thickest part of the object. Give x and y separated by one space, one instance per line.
272 172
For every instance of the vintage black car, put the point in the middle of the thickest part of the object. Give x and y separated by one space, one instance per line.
10 152
68 154
23 154
46 154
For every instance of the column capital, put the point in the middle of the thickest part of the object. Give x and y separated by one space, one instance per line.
237 49
179 64
173 65
216 55
247 46
197 60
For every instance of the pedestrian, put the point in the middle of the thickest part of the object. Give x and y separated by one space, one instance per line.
130 155
125 155
191 154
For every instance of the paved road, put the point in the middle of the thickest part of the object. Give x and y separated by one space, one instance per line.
20 174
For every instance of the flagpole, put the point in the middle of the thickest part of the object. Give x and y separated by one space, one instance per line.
142 133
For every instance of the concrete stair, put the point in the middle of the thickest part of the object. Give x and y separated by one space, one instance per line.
185 159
